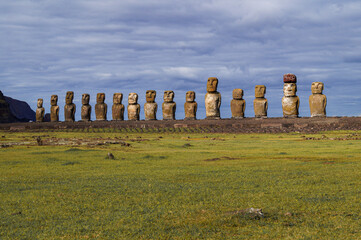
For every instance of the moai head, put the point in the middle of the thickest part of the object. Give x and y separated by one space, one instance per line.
237 94
54 100
317 87
260 91
289 89
69 97
168 96
150 96
132 98
117 98
212 84
40 103
85 99
289 78
190 96
100 97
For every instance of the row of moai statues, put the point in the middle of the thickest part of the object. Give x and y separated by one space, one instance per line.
290 104
150 107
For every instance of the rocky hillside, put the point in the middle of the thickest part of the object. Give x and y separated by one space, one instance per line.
12 110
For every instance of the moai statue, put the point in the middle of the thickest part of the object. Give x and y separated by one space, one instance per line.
317 100
260 103
169 106
133 107
118 107
69 108
238 104
212 99
54 109
86 109
40 111
101 108
290 102
190 106
150 107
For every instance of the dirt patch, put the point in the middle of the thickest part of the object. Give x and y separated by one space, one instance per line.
220 159
89 142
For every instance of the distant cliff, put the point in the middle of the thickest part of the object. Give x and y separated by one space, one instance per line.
12 110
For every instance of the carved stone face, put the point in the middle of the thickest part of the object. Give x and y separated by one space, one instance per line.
289 78
69 97
168 96
212 84
133 98
289 89
117 98
317 87
237 93
150 96
54 100
190 96
100 97
260 91
85 99
40 103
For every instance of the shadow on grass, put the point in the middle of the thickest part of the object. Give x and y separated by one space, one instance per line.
75 150
70 163
151 157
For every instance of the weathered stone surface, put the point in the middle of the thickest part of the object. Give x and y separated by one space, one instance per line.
290 102
54 109
260 103
40 111
168 106
101 108
86 109
317 100
289 78
133 107
118 107
190 106
69 108
212 99
238 104
247 125
150 107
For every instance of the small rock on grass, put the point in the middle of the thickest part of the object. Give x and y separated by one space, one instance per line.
255 213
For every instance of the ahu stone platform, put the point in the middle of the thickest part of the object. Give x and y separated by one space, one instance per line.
246 125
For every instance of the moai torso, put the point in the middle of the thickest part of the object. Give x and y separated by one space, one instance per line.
133 107
238 105
190 106
290 102
168 106
212 99
260 103
290 106
40 111
85 108
317 100
69 108
150 107
101 108
54 109
118 107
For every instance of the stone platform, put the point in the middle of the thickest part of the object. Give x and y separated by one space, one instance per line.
246 125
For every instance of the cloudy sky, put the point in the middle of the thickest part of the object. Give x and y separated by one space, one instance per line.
51 46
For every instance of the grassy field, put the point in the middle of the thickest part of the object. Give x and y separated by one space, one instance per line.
179 185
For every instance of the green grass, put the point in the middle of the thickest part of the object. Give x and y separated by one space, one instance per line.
180 186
